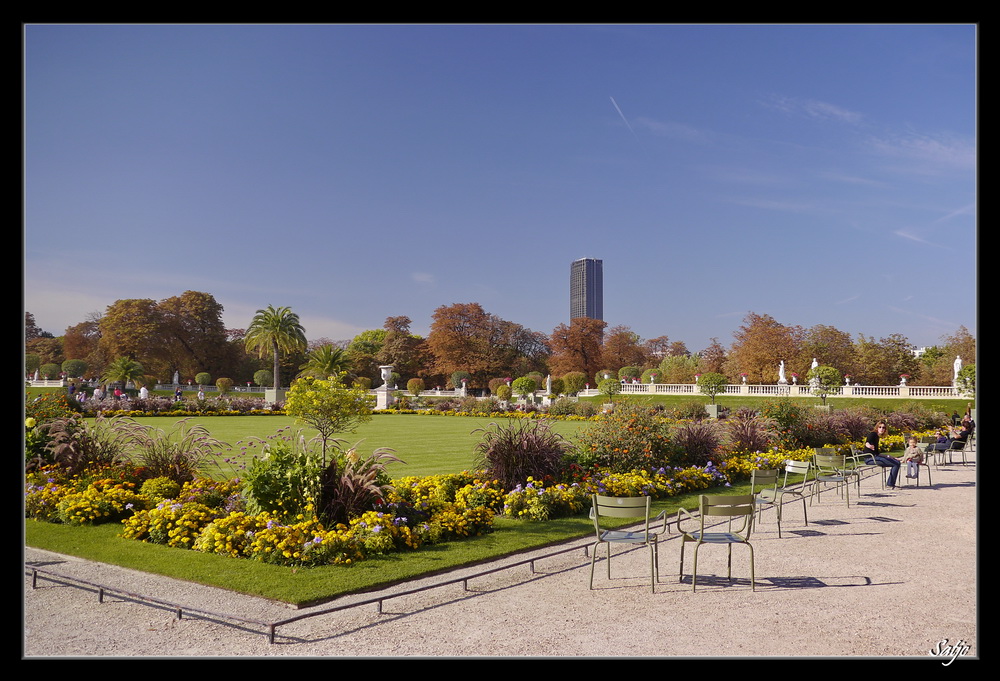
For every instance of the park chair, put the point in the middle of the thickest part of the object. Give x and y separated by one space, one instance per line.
956 446
862 460
767 495
626 507
710 507
831 469
777 495
929 447
923 464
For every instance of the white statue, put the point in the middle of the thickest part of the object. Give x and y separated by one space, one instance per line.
781 373
958 367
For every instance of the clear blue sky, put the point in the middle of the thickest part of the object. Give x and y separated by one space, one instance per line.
819 174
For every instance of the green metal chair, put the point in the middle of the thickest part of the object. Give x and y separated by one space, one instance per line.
776 495
626 507
831 469
710 507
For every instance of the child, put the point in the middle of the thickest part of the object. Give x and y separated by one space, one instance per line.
914 457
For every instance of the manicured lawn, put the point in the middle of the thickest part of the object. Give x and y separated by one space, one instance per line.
430 445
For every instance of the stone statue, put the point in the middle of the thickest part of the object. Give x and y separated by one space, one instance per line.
958 367
781 373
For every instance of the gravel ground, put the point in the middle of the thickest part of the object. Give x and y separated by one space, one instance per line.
894 575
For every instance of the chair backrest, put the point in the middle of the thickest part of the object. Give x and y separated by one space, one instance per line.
763 479
731 506
619 507
796 468
830 463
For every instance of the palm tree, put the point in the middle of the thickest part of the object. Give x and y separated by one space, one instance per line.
123 370
325 361
273 331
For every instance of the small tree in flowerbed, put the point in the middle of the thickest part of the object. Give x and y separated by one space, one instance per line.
712 384
823 380
609 387
524 387
329 406
203 378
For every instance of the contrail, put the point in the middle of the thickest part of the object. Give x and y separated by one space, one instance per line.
618 109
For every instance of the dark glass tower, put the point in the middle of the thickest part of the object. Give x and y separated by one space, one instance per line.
586 289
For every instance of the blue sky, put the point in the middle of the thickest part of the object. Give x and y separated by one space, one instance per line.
819 174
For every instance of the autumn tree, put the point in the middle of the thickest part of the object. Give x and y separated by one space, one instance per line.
405 351
882 362
713 358
193 335
830 347
577 347
464 337
31 329
761 344
131 328
622 347
937 363
82 341
656 348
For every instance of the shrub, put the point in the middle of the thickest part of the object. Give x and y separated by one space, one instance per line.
285 479
504 392
697 443
558 387
563 406
224 385
203 378
712 384
158 489
74 368
574 382
631 438
586 409
415 386
355 484
628 373
524 386
76 444
49 371
520 449
746 431
180 454
263 377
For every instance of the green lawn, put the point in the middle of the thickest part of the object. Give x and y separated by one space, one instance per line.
428 444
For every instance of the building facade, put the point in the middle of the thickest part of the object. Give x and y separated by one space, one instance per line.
586 289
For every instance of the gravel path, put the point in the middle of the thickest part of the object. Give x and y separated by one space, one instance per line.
894 575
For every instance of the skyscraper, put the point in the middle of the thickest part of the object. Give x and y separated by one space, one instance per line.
586 289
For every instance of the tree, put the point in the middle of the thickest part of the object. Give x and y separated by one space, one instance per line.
712 384
122 370
263 377
762 343
830 347
193 335
884 361
577 347
329 406
362 353
132 328
325 361
678 369
622 347
524 386
823 380
574 382
609 387
74 368
415 386
406 352
83 341
713 358
464 337
31 330
275 331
